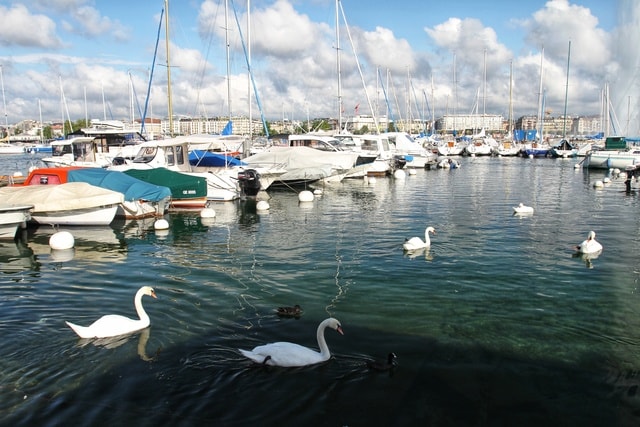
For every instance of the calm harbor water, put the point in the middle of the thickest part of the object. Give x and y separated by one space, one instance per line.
497 324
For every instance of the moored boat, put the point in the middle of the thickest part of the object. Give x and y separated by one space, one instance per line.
73 203
616 154
12 217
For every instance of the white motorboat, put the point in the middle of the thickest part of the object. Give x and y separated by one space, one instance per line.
73 203
13 217
414 153
616 154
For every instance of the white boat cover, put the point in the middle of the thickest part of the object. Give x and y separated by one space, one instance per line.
304 157
61 197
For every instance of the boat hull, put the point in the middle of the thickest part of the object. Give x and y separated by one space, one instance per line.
11 218
607 159
102 215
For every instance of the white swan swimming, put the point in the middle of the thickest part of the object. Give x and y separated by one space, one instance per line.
287 354
417 243
523 209
590 245
112 325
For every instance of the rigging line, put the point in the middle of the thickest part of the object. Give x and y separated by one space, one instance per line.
153 63
204 62
250 71
364 85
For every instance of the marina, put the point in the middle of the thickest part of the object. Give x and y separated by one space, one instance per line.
499 322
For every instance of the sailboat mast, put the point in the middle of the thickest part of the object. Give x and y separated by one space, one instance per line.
169 100
249 72
566 95
338 66
226 36
540 96
511 98
4 102
40 112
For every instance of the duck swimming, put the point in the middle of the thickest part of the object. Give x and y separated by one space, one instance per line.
294 311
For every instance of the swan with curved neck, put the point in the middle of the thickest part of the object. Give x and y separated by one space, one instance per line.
589 245
112 325
417 243
287 354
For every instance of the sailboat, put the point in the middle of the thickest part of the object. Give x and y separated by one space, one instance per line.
508 147
564 148
539 148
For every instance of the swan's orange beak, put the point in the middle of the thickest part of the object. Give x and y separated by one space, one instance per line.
153 294
339 329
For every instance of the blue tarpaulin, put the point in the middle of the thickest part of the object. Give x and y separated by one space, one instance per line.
132 188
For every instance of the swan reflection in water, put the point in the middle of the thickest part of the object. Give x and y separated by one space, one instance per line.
587 258
413 254
115 342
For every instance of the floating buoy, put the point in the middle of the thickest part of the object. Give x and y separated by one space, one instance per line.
262 205
577 166
317 192
372 180
606 180
306 196
207 213
161 224
399 174
61 240
412 171
598 184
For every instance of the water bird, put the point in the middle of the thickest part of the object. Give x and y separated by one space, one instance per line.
287 354
523 209
417 243
112 325
387 365
294 311
590 245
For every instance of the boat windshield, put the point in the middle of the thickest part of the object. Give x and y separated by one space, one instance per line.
60 150
145 155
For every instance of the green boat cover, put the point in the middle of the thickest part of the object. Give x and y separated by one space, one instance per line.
182 186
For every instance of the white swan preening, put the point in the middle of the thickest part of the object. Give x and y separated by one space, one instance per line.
287 354
417 243
523 209
590 245
112 325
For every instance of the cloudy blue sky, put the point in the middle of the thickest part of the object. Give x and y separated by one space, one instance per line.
55 54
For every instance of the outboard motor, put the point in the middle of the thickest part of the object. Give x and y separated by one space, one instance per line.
249 181
399 162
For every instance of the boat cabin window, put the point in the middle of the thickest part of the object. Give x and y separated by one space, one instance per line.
83 152
368 145
60 150
312 143
145 155
180 155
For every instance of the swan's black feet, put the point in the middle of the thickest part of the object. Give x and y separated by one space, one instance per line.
264 362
